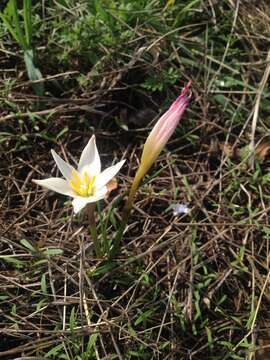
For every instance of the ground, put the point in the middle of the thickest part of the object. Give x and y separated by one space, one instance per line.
188 286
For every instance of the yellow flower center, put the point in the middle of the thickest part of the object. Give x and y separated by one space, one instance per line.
82 184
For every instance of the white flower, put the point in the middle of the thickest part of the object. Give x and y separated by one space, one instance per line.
85 185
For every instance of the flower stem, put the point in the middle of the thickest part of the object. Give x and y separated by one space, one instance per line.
118 237
93 229
134 187
126 214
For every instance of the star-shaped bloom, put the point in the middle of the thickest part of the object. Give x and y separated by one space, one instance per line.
88 183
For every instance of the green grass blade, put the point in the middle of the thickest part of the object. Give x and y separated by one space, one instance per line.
9 27
27 22
33 72
21 38
185 11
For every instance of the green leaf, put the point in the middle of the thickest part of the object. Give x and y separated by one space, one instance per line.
41 303
13 309
40 262
62 2
52 251
184 12
27 22
8 11
164 344
103 15
209 337
9 26
43 284
132 331
21 38
61 133
91 342
72 320
145 315
135 353
54 351
14 261
103 269
27 244
33 72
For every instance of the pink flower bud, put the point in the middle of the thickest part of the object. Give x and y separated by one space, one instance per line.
163 129
159 136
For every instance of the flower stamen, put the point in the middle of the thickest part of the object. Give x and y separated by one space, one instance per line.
82 185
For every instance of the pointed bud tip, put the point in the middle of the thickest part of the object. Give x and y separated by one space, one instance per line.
186 90
184 96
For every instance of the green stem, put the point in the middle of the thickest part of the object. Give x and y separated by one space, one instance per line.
118 236
93 229
126 214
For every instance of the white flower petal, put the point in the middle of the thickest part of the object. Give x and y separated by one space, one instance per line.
80 202
63 166
89 159
179 209
106 175
56 184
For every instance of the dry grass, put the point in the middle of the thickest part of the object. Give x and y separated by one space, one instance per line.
187 287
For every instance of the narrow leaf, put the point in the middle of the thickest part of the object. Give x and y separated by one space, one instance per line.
43 284
21 38
33 72
72 320
52 251
9 26
27 244
27 21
